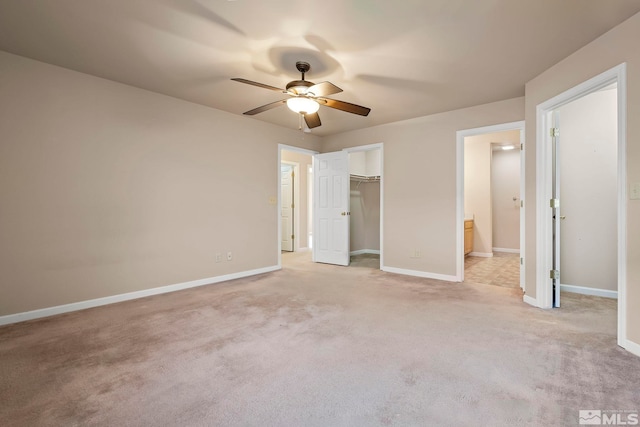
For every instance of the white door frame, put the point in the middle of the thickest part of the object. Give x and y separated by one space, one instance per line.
460 136
279 197
369 147
295 167
544 181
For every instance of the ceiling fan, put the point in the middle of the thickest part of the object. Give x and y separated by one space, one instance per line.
305 98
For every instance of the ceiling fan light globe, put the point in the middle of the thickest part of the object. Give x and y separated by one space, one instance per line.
302 105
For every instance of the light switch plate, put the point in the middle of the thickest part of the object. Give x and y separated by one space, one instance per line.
635 191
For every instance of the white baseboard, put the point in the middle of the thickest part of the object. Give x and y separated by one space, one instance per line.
482 254
417 273
82 305
530 300
632 347
589 291
365 251
507 250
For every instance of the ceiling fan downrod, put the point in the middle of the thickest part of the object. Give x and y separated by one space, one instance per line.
303 67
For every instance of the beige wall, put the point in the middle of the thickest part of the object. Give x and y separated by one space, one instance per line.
420 181
505 186
108 189
302 204
613 48
588 191
366 163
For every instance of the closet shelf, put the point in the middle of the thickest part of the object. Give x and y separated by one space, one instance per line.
364 178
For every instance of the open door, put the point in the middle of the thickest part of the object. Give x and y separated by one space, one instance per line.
522 210
555 207
287 207
331 208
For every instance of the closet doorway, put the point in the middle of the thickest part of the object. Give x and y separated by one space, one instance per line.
364 200
348 200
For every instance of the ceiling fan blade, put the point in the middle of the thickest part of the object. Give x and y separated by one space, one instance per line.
265 107
324 89
312 120
345 106
262 85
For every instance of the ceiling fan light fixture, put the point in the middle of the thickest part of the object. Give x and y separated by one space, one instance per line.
302 105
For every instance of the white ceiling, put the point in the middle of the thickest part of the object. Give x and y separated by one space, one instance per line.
403 59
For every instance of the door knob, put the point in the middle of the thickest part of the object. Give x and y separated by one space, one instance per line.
343 213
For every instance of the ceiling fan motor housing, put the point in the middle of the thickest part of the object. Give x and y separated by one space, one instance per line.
299 87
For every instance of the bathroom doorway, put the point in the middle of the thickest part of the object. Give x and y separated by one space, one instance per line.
490 214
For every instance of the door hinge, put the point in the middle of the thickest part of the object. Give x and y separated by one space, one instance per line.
293 174
554 203
554 274
521 261
553 132
293 237
521 147
522 203
292 206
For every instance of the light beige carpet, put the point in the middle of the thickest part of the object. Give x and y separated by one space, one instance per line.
319 345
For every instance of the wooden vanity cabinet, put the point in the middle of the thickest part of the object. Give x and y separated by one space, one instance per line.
468 236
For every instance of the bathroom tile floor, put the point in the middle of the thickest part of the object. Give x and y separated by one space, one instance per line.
503 269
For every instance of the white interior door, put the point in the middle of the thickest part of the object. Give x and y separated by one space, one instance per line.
555 207
331 208
522 211
287 207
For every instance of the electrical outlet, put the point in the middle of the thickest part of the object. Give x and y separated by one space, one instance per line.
229 256
218 257
635 191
